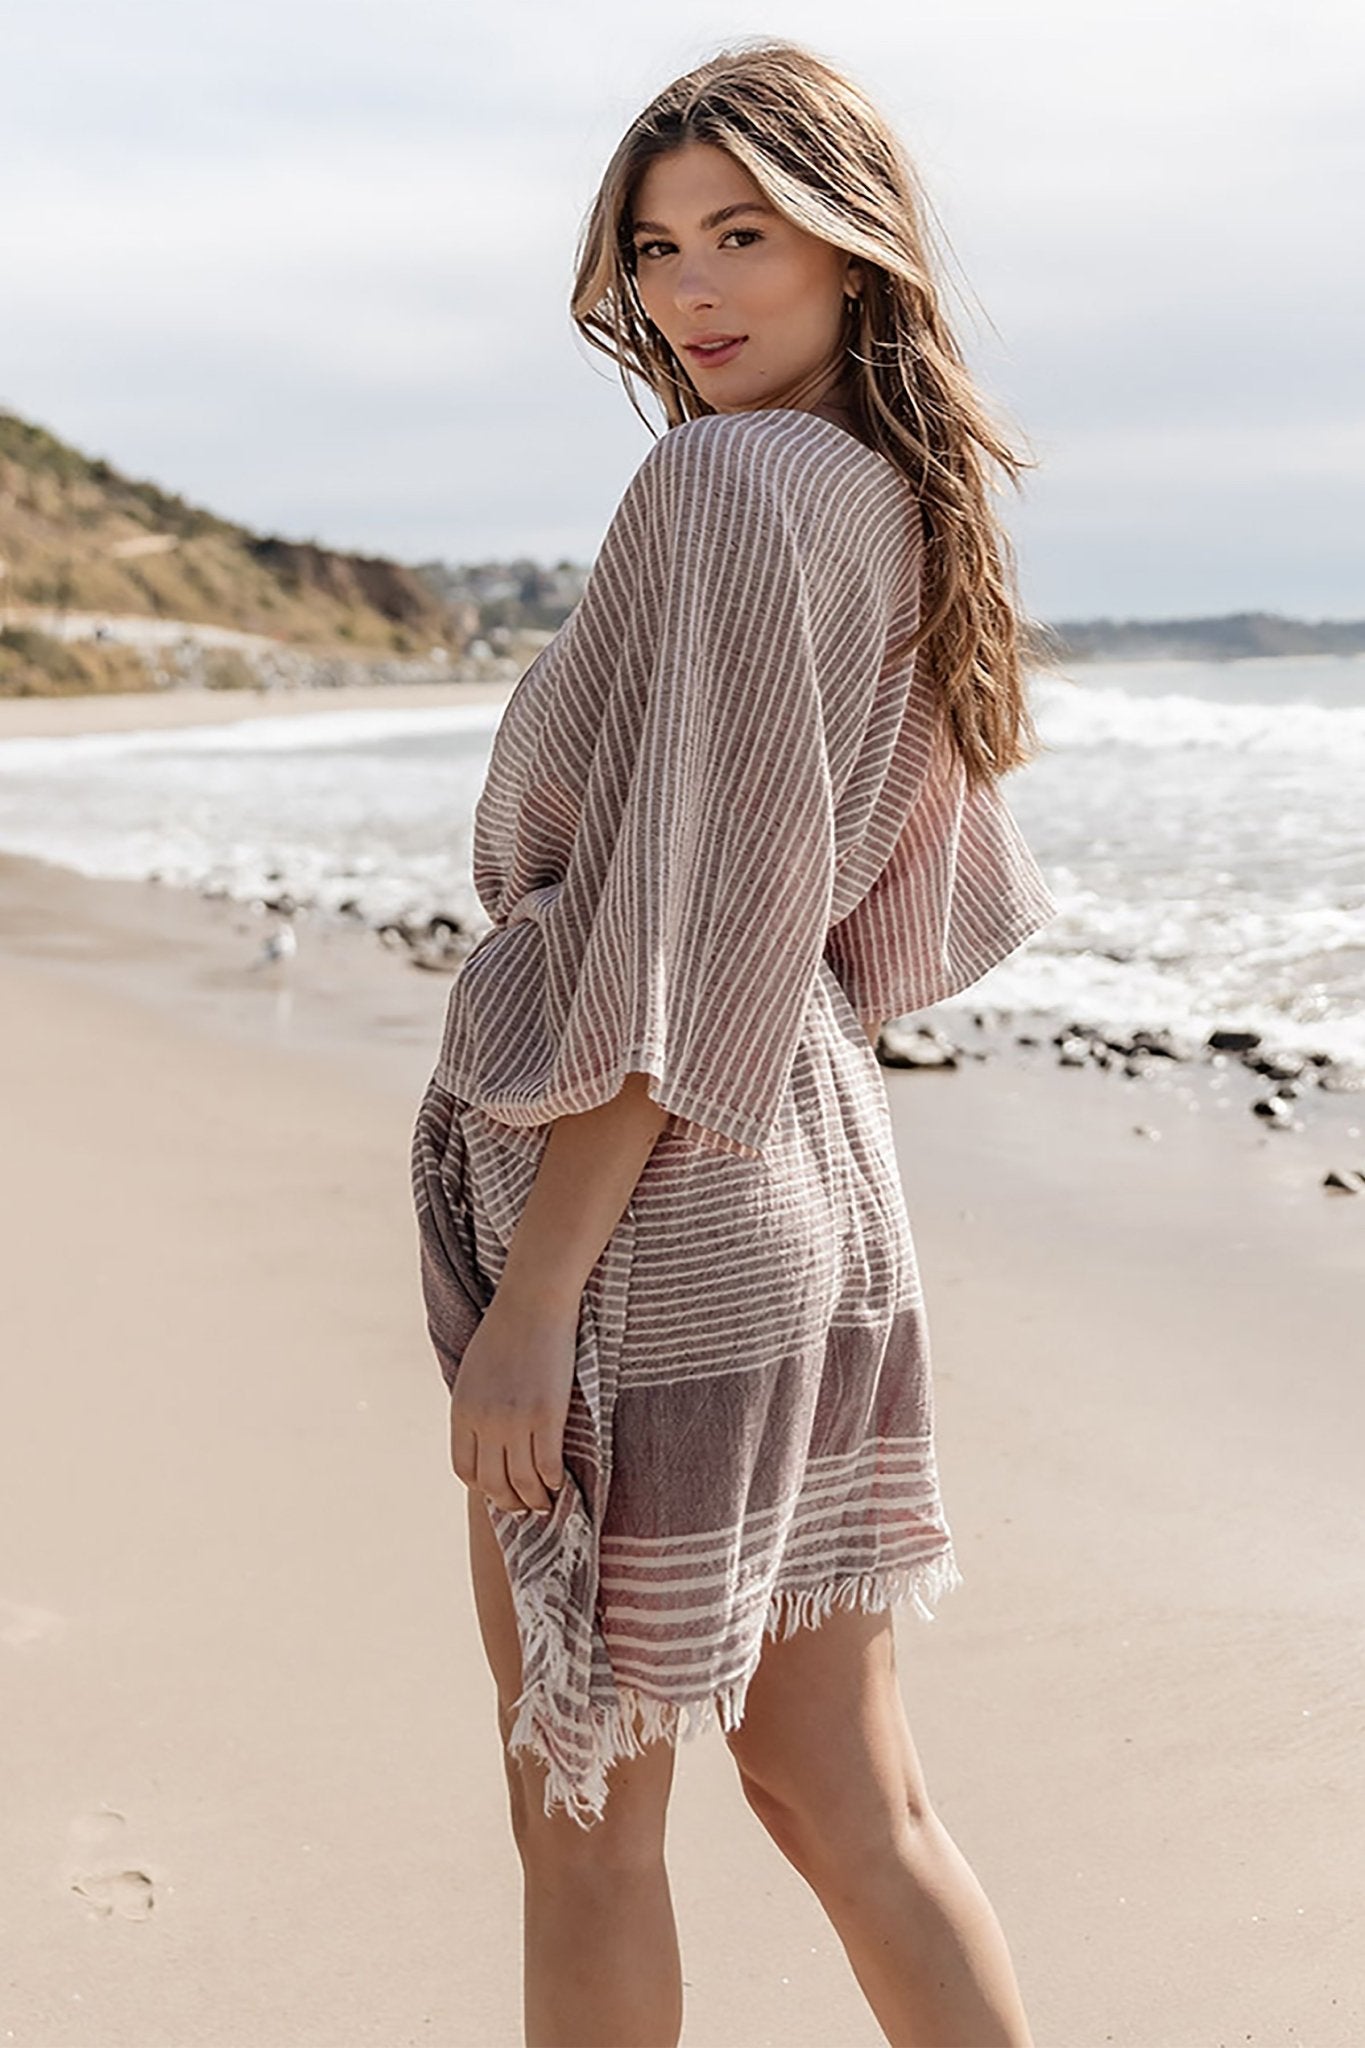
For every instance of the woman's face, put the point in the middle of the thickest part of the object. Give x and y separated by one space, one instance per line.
716 263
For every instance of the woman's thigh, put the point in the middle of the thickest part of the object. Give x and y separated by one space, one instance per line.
824 1751
632 1826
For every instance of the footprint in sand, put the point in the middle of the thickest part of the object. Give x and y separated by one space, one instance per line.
128 1893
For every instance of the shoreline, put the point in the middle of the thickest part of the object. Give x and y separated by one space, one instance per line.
346 982
376 1001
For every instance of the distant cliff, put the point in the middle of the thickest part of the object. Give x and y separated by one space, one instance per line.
79 537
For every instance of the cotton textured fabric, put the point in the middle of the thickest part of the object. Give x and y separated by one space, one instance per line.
722 821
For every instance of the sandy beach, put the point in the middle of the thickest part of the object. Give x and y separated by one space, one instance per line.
253 1791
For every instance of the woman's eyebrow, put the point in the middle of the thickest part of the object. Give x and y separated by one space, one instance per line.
712 220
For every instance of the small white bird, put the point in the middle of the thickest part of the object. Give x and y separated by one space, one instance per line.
280 944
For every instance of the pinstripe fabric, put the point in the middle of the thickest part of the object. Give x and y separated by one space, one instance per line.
719 824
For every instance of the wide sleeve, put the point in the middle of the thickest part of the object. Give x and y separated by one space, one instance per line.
701 879
960 891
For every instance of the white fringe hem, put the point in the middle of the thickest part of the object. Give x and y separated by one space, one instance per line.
638 1720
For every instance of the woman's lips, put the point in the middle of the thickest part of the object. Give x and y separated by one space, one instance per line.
722 352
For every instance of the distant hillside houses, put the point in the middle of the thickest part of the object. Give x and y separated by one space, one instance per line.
508 596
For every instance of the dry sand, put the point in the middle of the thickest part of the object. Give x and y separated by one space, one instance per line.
252 1787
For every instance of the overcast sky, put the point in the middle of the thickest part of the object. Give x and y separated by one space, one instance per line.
308 264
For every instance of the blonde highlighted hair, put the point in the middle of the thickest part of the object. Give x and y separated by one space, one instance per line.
825 157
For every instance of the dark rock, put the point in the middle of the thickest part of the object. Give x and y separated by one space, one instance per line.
1275 1111
1161 1045
438 944
1233 1041
915 1048
1276 1066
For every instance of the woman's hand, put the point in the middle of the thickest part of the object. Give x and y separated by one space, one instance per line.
511 1396
510 1401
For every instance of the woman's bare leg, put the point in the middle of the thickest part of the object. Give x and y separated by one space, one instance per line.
827 1763
601 1967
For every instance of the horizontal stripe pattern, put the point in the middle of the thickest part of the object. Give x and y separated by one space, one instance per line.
721 822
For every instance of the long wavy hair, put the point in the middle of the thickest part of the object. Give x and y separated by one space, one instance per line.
825 157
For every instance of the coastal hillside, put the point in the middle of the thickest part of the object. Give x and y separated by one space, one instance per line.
1239 636
79 539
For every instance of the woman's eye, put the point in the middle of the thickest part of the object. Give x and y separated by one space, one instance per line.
647 249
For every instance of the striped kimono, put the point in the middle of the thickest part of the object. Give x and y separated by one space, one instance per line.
722 821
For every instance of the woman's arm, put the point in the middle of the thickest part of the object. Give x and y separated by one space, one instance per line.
512 1390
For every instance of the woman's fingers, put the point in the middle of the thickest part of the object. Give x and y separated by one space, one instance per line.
464 1450
491 1475
521 1470
525 1471
547 1449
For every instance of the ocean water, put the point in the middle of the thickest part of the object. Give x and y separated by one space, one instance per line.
1202 826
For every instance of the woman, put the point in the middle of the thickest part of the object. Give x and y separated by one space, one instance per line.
741 810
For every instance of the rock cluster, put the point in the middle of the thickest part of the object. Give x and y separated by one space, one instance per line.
438 944
1132 1054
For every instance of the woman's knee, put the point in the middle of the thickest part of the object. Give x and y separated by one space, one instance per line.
824 1754
782 1818
838 1836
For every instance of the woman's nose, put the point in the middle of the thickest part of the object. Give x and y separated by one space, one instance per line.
693 288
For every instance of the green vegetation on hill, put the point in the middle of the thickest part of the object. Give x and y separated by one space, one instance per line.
77 536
